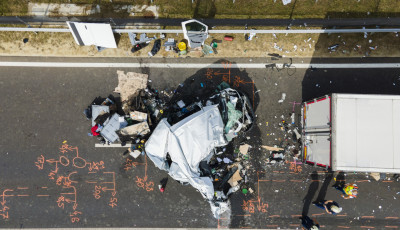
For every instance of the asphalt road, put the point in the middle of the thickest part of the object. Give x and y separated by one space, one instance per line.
51 175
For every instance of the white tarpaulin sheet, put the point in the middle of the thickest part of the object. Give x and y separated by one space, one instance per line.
188 142
366 133
87 34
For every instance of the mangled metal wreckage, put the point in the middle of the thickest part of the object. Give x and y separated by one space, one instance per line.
184 149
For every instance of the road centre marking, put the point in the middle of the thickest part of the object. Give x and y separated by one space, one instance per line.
199 65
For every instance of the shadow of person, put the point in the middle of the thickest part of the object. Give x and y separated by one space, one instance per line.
340 180
324 187
310 194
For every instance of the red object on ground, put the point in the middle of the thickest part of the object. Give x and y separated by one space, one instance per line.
161 189
228 38
93 129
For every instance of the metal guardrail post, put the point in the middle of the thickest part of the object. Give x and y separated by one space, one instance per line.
27 24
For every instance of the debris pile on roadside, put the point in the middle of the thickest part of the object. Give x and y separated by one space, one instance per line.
189 137
129 118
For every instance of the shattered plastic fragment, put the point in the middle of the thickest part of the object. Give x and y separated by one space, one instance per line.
282 98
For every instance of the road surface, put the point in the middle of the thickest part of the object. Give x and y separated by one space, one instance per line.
52 176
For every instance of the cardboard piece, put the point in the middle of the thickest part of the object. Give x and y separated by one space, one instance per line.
139 129
244 149
272 148
375 175
235 178
129 86
138 116
135 153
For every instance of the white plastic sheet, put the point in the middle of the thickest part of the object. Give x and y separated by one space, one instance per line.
98 34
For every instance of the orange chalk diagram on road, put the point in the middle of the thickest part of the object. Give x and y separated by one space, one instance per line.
67 164
251 206
141 182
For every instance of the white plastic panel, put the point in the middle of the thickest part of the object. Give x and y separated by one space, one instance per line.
98 34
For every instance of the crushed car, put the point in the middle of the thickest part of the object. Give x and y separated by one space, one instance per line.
190 144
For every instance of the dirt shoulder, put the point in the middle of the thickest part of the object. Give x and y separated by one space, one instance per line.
290 45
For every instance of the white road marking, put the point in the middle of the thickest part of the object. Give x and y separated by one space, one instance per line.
199 65
112 146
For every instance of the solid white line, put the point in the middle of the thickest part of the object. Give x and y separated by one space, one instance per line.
198 65
112 146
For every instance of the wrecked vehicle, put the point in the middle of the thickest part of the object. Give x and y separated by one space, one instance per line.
192 138
188 141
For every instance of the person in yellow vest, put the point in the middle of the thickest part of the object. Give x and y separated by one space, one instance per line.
349 191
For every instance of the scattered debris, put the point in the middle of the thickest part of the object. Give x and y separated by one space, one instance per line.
333 47
156 48
170 44
282 98
228 38
285 2
129 85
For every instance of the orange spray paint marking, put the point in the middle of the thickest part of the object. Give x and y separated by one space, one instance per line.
3 210
69 157
97 191
96 166
74 216
252 205
367 217
60 202
40 162
295 168
70 194
64 161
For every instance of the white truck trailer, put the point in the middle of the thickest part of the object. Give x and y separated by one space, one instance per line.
352 132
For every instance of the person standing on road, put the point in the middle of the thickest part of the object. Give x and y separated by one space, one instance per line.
308 223
330 206
349 191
